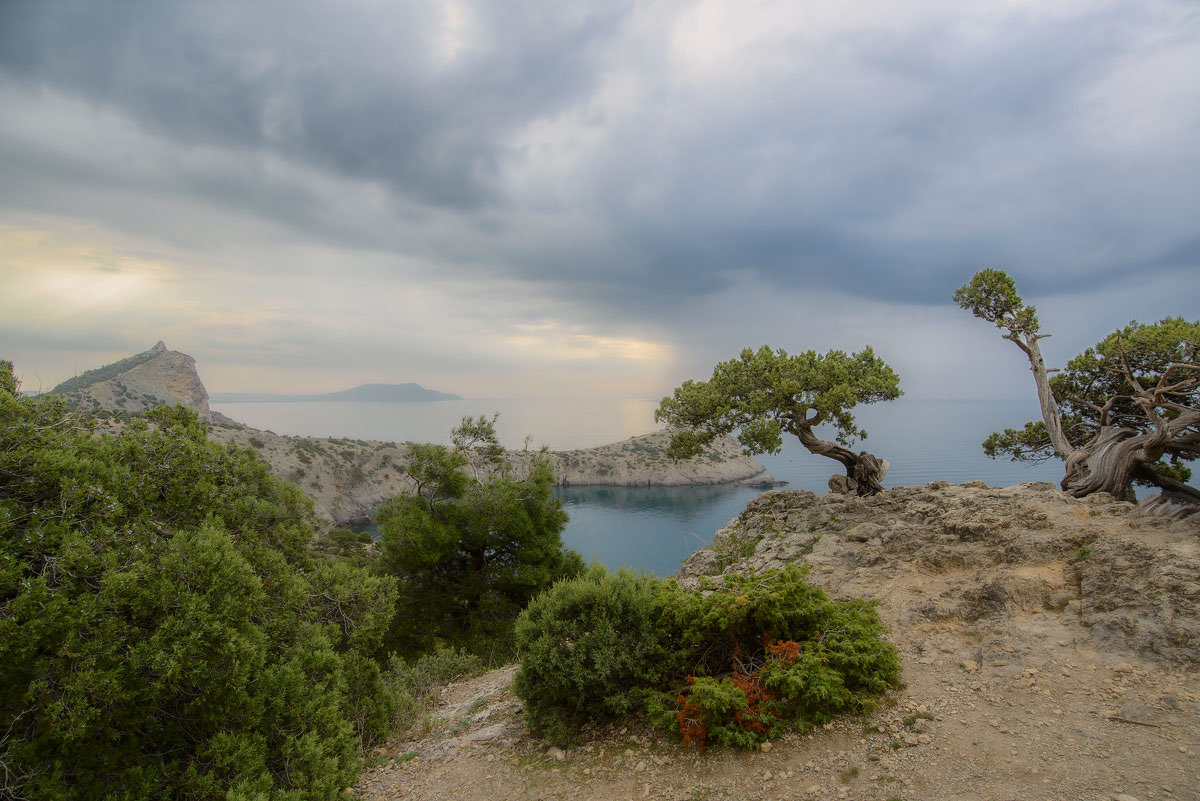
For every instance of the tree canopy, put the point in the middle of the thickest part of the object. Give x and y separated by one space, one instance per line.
766 393
1126 410
163 630
471 550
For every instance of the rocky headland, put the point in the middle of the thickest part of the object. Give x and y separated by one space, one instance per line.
1050 650
156 377
347 479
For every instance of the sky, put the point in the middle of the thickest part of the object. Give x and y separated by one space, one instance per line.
602 199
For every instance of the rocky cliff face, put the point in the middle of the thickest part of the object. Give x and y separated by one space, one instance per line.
642 461
156 377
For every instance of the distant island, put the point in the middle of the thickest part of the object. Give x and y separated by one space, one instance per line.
366 393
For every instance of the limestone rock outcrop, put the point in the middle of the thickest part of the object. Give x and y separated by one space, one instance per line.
156 377
967 555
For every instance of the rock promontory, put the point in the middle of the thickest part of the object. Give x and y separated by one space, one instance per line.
1049 649
348 479
156 377
972 554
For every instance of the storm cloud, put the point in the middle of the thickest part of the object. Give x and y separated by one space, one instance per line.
621 165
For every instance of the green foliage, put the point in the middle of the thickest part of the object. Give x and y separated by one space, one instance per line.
991 295
163 631
587 647
8 379
345 543
766 393
1097 388
733 664
1029 444
470 552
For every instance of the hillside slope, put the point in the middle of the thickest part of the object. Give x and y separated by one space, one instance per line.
1049 648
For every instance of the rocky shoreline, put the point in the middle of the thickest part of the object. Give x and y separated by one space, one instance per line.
348 479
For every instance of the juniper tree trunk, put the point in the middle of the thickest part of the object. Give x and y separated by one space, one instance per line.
1106 464
1115 456
864 468
1041 379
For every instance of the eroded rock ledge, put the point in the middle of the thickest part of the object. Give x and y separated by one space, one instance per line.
968 554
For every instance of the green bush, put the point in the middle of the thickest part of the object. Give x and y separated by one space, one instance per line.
470 550
164 632
734 664
587 647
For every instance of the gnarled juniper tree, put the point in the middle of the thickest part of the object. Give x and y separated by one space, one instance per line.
766 393
1124 411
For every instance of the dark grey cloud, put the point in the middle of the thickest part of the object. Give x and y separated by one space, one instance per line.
888 158
352 87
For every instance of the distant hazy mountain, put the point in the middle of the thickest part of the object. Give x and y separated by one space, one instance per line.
371 393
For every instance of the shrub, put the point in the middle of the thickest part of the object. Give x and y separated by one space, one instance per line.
470 550
587 647
734 664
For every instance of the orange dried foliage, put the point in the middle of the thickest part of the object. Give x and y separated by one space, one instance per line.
694 730
783 652
691 726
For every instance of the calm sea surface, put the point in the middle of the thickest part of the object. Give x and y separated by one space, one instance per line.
656 528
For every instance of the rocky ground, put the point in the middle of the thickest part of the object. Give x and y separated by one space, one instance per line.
1051 650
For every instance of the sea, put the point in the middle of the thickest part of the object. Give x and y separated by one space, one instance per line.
654 529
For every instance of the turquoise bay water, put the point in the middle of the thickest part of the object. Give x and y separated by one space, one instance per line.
656 528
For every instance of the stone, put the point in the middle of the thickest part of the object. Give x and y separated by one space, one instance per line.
766 747
842 485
